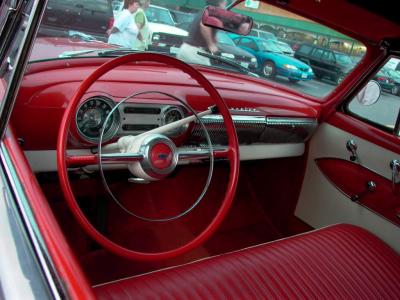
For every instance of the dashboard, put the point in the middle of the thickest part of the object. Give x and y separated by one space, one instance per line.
270 122
132 119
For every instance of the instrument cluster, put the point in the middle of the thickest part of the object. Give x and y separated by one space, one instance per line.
127 119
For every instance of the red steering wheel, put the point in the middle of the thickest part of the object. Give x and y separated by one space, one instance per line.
64 160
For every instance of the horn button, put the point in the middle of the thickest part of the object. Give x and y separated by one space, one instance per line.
160 156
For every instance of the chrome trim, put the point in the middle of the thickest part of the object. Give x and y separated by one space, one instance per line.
118 158
114 126
351 146
257 129
32 26
396 129
289 121
235 118
248 128
244 109
46 263
187 154
288 130
211 161
395 167
156 120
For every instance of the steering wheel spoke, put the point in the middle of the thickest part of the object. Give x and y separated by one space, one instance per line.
109 158
121 158
194 154
81 160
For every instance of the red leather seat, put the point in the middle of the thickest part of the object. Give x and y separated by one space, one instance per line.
338 262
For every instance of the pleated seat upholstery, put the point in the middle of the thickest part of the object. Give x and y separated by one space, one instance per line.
337 262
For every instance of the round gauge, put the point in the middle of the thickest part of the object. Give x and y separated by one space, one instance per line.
91 116
173 114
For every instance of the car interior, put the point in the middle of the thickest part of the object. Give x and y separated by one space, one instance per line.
152 178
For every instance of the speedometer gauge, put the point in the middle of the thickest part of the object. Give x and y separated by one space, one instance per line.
91 116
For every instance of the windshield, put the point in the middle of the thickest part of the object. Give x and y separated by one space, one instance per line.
306 48
343 59
223 38
266 35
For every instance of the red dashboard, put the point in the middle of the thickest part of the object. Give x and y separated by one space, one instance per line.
49 85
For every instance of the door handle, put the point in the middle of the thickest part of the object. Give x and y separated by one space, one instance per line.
395 166
351 146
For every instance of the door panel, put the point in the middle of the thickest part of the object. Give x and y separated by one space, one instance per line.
363 186
321 203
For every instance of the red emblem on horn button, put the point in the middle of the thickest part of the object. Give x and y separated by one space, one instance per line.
161 156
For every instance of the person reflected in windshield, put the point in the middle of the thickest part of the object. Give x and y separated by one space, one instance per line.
125 31
244 28
201 38
143 38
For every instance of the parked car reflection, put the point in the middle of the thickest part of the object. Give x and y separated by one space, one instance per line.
389 80
227 48
272 61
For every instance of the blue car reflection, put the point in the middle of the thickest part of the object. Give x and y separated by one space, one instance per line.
272 61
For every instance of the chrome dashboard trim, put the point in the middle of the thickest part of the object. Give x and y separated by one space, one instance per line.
249 129
236 118
288 130
289 121
258 129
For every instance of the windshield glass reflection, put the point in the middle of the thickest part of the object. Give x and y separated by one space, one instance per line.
281 47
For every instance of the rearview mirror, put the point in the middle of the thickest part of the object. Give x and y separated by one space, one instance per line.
370 94
227 20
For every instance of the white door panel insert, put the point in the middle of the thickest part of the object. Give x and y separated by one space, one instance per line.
321 203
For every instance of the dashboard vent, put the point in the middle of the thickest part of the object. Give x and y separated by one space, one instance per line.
142 110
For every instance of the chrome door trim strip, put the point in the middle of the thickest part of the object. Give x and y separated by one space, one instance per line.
43 256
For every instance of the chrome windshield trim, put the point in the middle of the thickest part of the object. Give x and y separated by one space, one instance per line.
28 219
21 61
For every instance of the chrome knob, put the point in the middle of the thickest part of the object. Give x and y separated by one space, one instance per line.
371 186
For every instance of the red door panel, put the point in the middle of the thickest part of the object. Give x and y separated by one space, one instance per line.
352 179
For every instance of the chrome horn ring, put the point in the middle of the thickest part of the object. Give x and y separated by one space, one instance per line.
145 148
